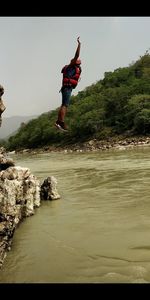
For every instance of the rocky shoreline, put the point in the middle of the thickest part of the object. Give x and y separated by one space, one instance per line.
93 145
20 193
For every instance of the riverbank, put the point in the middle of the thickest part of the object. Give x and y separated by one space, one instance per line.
117 142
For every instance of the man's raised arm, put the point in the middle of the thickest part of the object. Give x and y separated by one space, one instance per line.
77 53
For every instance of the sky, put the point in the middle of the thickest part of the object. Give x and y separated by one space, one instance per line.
34 49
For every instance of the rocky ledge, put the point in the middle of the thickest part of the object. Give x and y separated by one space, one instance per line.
20 193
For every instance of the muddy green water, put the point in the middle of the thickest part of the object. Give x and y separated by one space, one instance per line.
99 231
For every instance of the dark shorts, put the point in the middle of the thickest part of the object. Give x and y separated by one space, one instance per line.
66 95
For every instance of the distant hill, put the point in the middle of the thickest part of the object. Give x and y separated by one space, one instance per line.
11 124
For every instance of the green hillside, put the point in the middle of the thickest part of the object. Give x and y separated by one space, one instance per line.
117 104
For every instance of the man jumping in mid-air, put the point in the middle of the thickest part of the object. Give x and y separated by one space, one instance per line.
71 74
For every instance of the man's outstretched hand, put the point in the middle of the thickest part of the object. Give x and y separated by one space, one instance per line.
78 40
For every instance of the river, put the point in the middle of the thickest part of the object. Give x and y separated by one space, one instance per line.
98 232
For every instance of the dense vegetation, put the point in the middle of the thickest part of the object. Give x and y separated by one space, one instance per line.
118 104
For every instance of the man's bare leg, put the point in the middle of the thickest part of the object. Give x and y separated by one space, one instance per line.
62 113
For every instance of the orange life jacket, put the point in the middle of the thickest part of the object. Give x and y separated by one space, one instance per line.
71 80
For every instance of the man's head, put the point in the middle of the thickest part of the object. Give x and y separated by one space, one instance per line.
78 62
75 62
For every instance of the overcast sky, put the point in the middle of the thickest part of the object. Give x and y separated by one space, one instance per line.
34 49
